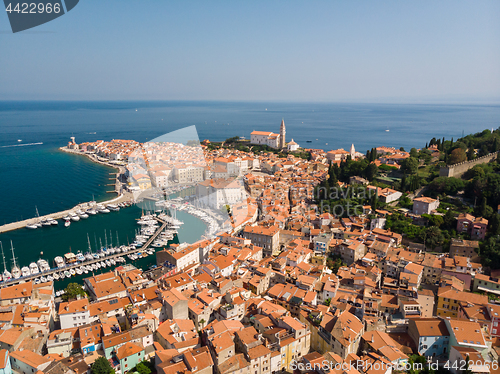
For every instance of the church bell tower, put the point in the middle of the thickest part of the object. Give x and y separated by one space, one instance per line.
282 134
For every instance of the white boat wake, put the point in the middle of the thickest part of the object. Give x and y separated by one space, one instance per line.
19 145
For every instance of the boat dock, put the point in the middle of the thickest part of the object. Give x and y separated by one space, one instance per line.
75 265
126 196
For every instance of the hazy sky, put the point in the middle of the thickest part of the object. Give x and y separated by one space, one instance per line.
391 51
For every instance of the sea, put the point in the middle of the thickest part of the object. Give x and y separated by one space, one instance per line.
36 176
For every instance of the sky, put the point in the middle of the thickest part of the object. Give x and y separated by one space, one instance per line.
337 51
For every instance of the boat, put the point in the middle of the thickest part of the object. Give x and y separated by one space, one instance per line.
43 279
72 271
53 222
34 268
59 262
43 265
15 271
67 274
103 264
82 214
37 281
25 271
80 257
74 217
70 258
112 260
113 207
108 263
92 212
61 275
45 222
102 209
31 226
67 223
56 276
78 271
50 278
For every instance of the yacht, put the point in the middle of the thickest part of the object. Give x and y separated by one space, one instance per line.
113 207
108 263
102 209
59 262
92 212
72 271
78 271
25 271
61 275
74 217
43 265
67 274
103 264
34 268
56 276
31 226
43 279
15 271
80 257
82 214
45 222
112 260
50 278
53 222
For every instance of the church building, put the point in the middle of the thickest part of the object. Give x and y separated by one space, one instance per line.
269 138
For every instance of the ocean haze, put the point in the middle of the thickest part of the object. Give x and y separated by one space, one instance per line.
258 50
43 176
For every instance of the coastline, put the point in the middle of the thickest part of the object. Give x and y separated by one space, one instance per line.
122 196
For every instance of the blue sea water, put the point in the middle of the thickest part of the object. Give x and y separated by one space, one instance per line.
43 176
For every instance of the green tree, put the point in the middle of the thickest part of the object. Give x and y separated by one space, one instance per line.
494 225
72 291
471 154
328 301
101 366
371 171
413 152
142 368
409 165
457 155
433 237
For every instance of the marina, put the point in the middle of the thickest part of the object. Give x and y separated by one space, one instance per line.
123 229
73 264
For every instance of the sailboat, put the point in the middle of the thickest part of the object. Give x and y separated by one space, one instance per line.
16 272
387 129
36 224
6 274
